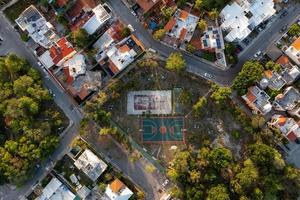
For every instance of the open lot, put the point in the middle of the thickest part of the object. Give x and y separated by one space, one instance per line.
215 123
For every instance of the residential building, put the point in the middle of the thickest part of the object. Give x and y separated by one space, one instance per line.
258 100
88 15
293 51
118 191
41 31
59 53
90 164
288 100
272 80
289 128
290 71
148 5
119 55
76 65
212 40
241 16
110 37
181 27
99 17
56 190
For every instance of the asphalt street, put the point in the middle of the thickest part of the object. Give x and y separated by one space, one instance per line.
199 66
13 44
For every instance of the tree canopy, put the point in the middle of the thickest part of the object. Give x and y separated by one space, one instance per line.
175 62
28 118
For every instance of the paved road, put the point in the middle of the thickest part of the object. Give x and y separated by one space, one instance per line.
12 43
198 66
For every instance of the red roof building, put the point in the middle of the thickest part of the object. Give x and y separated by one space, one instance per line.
61 51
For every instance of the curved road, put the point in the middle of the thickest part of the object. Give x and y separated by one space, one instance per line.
199 66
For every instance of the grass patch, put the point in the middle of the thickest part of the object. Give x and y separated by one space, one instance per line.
13 12
209 56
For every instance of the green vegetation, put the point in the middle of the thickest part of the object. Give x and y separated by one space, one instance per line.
190 48
159 34
167 13
273 66
29 120
251 72
209 56
199 106
220 94
213 173
80 37
294 30
230 53
125 32
202 24
175 62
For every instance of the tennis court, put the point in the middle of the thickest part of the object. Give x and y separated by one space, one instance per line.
163 129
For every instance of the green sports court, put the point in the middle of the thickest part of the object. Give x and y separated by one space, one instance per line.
163 129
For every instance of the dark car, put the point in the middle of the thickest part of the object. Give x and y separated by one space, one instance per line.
285 13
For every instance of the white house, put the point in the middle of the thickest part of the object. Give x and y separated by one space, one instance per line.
118 191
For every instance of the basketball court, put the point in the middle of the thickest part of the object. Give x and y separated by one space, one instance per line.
163 129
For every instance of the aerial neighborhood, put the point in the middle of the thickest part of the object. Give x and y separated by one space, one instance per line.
149 99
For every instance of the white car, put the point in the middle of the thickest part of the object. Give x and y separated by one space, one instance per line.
257 54
131 27
207 75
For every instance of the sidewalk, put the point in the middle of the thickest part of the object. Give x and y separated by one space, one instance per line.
8 5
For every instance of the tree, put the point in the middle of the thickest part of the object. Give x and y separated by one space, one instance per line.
247 177
175 62
81 38
190 48
258 121
181 3
252 71
273 66
219 192
185 97
220 158
167 12
213 14
125 32
199 106
220 94
108 131
159 34
61 19
198 4
148 63
202 24
294 30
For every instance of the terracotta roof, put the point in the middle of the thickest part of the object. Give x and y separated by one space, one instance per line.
292 136
147 5
268 74
61 3
296 44
281 120
61 50
113 67
83 93
170 24
184 14
116 185
124 48
79 5
69 78
250 96
283 60
182 33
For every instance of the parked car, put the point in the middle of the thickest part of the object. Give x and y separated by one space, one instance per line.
257 54
284 28
285 13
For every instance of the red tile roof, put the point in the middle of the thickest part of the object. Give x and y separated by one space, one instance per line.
283 60
113 67
170 24
61 3
83 93
292 136
61 50
296 44
116 185
69 78
147 5
182 33
250 96
184 14
281 120
124 48
79 5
